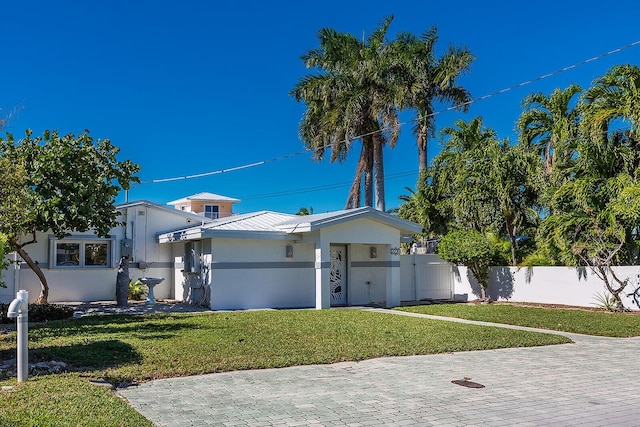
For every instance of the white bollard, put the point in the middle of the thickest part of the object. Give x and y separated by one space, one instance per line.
19 308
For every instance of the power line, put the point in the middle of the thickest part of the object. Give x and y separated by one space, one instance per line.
320 187
454 107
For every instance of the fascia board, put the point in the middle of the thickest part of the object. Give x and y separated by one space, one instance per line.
181 235
247 234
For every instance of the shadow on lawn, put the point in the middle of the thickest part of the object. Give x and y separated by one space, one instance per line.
127 325
92 355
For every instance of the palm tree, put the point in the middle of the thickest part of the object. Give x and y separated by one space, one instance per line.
614 96
459 173
425 78
550 124
350 97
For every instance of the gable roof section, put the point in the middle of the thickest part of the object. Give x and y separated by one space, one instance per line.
204 196
318 221
253 225
274 225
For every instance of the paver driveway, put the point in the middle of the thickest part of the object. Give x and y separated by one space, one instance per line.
589 383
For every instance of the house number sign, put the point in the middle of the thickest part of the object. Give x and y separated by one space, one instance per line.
395 251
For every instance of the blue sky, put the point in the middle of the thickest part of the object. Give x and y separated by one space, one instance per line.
188 87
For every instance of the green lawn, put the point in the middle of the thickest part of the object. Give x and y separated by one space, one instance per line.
141 348
569 320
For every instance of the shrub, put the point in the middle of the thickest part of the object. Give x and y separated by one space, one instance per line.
137 290
41 312
472 249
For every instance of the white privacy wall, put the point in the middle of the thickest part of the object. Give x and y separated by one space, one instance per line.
425 277
549 285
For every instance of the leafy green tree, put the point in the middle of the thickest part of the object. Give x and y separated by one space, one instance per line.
551 125
471 249
594 225
613 97
72 183
4 263
595 217
424 78
350 96
515 179
303 211
459 174
478 183
15 203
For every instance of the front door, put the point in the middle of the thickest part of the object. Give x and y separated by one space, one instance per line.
338 275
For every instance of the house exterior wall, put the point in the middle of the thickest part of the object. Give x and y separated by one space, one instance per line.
370 280
252 273
142 224
150 259
65 284
197 206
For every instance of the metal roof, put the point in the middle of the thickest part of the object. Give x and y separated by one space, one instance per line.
274 225
204 196
317 221
255 221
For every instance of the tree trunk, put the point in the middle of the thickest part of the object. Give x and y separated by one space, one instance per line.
548 163
512 238
122 282
353 199
44 287
422 148
367 146
378 171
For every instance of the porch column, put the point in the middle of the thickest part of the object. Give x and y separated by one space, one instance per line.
393 275
323 270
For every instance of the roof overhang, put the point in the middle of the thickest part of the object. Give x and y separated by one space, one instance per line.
317 222
198 233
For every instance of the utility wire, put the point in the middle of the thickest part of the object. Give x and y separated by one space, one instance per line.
454 107
320 187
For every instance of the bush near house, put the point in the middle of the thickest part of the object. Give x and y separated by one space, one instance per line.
40 313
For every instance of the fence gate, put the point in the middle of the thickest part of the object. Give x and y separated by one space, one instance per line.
425 277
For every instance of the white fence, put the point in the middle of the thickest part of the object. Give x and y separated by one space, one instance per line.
430 277
425 277
549 285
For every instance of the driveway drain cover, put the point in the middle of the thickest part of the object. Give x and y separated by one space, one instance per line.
466 383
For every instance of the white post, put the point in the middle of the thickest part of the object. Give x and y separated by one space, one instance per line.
19 308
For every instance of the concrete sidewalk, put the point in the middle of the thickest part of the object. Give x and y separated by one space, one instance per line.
589 383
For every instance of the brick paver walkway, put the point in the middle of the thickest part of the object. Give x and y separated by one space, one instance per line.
589 383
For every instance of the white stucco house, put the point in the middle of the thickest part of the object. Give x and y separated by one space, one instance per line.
210 256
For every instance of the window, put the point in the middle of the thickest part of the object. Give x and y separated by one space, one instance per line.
81 252
212 211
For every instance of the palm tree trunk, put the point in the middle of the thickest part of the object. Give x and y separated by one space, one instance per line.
44 287
353 199
367 153
422 148
378 171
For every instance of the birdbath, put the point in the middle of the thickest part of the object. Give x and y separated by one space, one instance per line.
150 282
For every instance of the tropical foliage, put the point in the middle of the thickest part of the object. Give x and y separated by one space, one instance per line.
61 183
569 188
472 249
357 90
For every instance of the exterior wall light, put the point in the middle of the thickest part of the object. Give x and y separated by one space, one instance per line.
373 252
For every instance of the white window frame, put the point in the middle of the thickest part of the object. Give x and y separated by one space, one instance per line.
215 211
82 241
